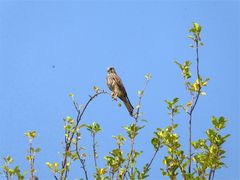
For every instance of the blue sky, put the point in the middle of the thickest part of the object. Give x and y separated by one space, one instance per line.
81 39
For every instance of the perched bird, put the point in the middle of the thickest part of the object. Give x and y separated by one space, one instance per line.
115 84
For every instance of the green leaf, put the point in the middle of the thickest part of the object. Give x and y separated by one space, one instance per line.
96 89
10 171
140 93
155 142
37 150
8 159
148 76
71 95
191 46
190 37
197 27
120 139
31 134
226 136
144 120
180 66
164 173
175 100
219 123
94 127
29 158
49 165
189 103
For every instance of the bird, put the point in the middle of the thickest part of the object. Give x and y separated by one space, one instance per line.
115 84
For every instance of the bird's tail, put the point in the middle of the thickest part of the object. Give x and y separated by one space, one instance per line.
128 105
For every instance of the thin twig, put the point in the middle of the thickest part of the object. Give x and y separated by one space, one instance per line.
94 150
135 124
8 177
78 119
140 101
212 171
129 157
82 161
213 174
181 169
154 155
194 100
190 143
172 120
31 160
55 177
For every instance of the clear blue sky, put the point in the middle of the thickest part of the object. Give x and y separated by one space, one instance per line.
81 39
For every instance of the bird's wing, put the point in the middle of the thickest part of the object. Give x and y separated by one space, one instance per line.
109 82
119 83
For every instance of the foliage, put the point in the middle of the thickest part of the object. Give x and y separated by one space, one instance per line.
209 151
32 152
11 172
203 158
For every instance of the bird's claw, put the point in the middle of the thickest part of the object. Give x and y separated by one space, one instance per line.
114 97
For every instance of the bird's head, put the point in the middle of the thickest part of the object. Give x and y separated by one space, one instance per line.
111 70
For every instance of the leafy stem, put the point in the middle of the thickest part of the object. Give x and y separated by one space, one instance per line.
196 31
69 139
82 160
133 129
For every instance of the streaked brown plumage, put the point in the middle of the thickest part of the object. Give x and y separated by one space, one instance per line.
115 84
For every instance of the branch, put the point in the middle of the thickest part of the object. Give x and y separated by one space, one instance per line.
79 117
94 150
31 161
129 157
181 169
136 117
55 177
151 161
140 101
82 161
194 100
